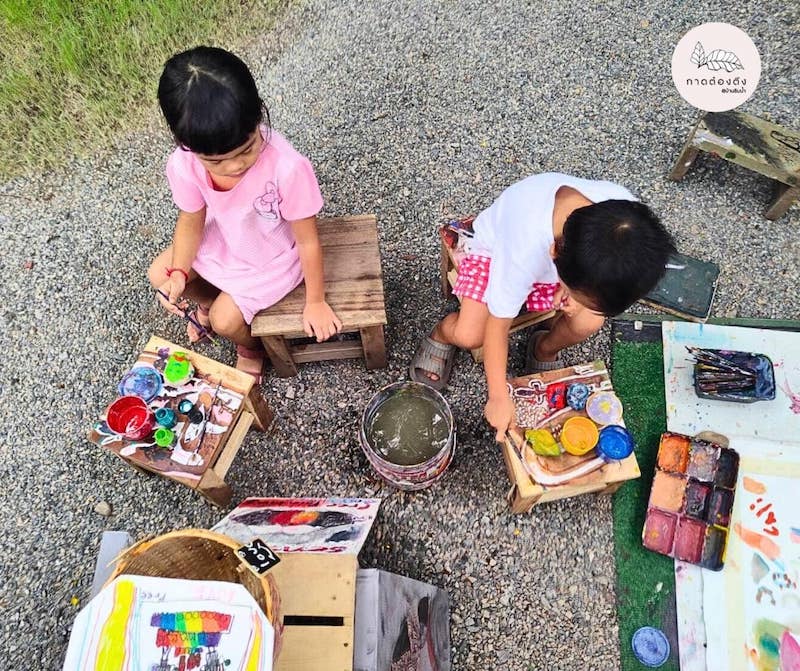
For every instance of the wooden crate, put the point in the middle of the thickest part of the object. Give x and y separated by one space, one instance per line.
210 480
318 593
525 492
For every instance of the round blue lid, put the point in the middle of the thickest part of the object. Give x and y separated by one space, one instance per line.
650 646
615 442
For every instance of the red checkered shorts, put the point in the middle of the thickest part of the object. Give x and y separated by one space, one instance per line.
473 278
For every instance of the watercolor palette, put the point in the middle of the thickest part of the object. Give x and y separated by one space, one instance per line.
689 512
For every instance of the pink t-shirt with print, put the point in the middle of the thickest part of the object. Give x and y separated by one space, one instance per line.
248 249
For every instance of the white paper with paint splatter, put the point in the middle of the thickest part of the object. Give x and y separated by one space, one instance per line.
724 627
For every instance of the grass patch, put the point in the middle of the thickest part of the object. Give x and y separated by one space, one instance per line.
75 74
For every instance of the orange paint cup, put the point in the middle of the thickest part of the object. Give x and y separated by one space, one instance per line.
579 435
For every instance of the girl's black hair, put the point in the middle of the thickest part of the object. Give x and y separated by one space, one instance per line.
614 252
210 100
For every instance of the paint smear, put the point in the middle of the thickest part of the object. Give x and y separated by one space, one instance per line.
753 486
667 491
790 652
110 654
758 568
758 542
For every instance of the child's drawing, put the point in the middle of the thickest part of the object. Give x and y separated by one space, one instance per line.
302 525
190 640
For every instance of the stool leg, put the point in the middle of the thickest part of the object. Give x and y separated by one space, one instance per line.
783 197
374 344
280 356
444 269
262 414
684 161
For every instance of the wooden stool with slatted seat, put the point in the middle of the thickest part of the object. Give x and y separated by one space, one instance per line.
448 271
353 288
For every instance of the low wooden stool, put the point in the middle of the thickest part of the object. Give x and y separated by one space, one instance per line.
761 146
353 288
448 271
243 405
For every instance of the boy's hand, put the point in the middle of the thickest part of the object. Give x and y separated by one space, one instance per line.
501 414
320 321
173 288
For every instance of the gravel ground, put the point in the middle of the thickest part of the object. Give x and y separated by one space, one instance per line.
414 110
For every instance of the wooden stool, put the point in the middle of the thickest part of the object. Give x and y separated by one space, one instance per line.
353 288
448 272
754 143
212 455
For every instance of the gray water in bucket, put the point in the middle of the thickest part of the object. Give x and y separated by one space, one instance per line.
408 434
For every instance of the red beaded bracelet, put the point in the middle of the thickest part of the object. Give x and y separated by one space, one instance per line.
180 270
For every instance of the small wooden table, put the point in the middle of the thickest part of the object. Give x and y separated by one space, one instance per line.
759 145
525 492
353 288
232 402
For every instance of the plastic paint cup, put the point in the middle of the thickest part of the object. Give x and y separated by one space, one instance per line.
166 417
164 437
130 416
179 369
614 443
650 646
185 406
604 407
579 435
142 381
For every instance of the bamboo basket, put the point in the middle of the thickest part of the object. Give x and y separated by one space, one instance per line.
199 554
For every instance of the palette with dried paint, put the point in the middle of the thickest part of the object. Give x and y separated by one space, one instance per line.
689 512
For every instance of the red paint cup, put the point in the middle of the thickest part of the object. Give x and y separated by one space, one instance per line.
130 417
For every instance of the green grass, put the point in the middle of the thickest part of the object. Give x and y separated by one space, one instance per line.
73 74
639 381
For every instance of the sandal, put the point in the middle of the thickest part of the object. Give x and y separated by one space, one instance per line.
432 357
532 364
253 354
195 335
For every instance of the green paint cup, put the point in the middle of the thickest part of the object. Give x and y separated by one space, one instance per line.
164 437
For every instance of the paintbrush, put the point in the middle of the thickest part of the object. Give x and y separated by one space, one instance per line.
203 330
208 416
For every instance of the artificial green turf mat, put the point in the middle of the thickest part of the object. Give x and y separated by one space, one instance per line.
638 378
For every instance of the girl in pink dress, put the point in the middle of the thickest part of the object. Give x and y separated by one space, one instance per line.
246 233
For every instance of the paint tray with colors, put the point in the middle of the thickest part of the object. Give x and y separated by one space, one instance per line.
689 512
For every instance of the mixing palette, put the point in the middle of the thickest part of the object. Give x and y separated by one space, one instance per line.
689 512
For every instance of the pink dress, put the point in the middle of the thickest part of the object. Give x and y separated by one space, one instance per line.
248 249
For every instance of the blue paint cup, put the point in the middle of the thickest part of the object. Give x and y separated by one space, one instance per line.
614 443
650 646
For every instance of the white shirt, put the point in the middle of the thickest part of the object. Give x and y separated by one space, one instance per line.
516 233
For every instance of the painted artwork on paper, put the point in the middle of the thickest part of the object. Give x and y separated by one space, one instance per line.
324 525
196 443
140 623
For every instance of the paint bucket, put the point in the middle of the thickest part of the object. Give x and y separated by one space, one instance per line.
179 369
411 476
650 646
130 416
142 381
614 443
579 435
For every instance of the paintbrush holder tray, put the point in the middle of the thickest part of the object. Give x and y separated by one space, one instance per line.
691 501
710 381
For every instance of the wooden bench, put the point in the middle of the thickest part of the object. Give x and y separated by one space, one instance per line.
353 288
756 144
448 271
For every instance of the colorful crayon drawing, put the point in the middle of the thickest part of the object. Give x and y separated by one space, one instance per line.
140 623
302 525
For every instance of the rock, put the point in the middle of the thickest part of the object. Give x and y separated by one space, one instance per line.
103 508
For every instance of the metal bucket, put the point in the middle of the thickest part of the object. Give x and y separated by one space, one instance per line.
416 476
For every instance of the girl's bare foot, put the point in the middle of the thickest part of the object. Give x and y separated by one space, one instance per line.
201 315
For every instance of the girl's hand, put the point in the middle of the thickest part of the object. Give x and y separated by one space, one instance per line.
320 321
501 414
173 288
564 302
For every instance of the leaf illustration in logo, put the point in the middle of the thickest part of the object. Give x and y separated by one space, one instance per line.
719 59
698 55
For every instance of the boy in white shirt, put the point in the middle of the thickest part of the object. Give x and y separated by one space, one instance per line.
587 248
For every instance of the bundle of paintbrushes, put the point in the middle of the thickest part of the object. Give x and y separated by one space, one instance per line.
732 376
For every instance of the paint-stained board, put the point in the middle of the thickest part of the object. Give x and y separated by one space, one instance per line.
687 288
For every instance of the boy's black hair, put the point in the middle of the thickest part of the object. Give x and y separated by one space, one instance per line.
210 100
613 252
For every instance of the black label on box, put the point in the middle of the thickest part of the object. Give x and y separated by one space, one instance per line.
259 557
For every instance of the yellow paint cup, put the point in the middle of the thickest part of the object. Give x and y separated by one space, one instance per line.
579 435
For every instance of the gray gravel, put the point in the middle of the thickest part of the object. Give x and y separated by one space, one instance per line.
414 110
